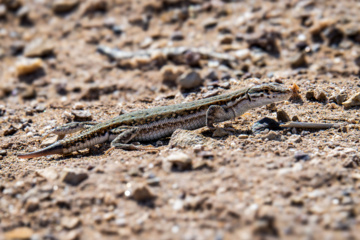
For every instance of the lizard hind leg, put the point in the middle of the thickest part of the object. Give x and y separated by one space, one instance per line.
125 136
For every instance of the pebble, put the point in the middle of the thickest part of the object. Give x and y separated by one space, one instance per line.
48 141
3 153
170 74
25 65
209 23
19 233
11 130
91 93
70 222
50 174
265 123
226 39
142 193
38 48
74 176
272 136
81 115
177 36
190 79
321 97
78 106
32 204
354 100
299 60
282 116
301 156
242 53
295 139
63 6
310 95
177 161
2 10
339 99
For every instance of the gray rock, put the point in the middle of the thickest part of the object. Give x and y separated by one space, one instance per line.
299 60
177 161
142 193
74 176
190 79
38 48
265 123
63 6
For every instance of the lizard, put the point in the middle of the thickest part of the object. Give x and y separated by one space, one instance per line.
158 122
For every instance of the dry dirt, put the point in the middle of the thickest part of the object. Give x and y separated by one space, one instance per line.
235 184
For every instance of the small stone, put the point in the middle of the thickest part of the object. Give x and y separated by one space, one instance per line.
63 6
29 93
298 61
91 93
142 193
195 202
192 58
49 174
339 99
243 136
3 153
220 132
81 115
185 138
177 161
226 39
177 36
32 204
190 79
70 222
38 48
354 100
48 141
209 23
74 177
73 235
242 53
19 233
78 106
91 6
25 65
265 226
310 95
301 156
11 130
2 10
153 181
272 136
321 97
170 74
295 139
282 116
265 123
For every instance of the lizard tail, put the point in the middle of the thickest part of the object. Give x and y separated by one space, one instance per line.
56 148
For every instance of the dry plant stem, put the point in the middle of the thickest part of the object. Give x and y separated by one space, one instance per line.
309 125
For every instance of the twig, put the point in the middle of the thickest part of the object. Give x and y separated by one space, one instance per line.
310 125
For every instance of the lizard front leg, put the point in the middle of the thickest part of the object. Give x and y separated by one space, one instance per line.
73 127
216 113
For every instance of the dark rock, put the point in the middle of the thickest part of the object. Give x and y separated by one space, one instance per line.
334 36
177 36
300 156
310 95
74 177
265 123
190 79
63 6
10 131
142 193
299 60
282 116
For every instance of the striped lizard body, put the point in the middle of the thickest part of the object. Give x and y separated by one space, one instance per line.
155 123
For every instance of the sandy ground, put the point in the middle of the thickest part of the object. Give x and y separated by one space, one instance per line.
234 184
